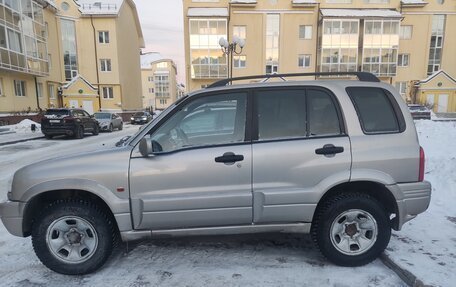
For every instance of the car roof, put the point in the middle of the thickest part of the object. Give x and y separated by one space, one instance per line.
330 84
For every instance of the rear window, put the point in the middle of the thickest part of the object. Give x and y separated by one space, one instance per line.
57 113
139 114
375 110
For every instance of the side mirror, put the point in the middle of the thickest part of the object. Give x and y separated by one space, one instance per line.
145 147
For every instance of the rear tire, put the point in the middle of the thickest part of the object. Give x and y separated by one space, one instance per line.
111 128
79 132
351 229
73 237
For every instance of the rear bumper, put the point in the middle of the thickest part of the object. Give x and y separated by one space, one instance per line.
59 131
415 200
11 215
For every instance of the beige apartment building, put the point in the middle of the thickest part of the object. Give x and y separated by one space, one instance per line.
68 53
408 43
159 81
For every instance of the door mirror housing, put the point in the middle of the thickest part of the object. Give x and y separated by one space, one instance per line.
145 147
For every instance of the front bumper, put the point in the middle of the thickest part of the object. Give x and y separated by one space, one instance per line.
11 215
415 199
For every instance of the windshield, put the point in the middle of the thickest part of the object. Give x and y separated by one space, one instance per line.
101 116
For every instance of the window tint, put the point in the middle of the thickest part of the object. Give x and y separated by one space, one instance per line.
323 119
281 114
374 109
205 121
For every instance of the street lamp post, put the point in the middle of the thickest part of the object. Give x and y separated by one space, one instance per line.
231 48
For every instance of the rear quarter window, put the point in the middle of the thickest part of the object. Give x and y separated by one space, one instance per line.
377 110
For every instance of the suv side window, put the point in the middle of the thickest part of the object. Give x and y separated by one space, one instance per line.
375 110
206 121
323 118
281 114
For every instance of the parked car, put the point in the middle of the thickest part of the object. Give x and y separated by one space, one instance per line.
337 159
108 121
419 112
71 122
141 118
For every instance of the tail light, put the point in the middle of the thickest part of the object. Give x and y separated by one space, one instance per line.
421 171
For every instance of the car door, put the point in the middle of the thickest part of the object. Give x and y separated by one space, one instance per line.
200 172
299 149
87 120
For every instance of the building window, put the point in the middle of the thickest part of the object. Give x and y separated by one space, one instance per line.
150 79
14 40
405 32
70 59
272 43
108 93
240 61
163 101
401 87
304 61
435 49
103 37
339 50
207 60
39 89
162 86
380 45
19 88
403 60
305 32
240 32
105 65
151 90
51 91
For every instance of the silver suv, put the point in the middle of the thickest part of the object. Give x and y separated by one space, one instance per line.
339 159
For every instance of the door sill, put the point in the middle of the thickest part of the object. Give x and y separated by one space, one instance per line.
224 230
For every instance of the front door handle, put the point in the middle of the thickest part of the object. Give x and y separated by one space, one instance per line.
229 158
329 149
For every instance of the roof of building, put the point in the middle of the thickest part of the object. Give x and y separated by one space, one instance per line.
414 2
148 58
75 79
361 13
435 75
51 3
207 12
99 7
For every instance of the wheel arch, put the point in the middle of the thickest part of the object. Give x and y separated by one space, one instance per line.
36 203
374 189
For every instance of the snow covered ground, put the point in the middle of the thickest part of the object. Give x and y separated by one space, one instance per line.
426 245
20 131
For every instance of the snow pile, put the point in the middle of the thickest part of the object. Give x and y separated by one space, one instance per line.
25 126
427 245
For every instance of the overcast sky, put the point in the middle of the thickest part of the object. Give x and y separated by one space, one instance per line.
163 29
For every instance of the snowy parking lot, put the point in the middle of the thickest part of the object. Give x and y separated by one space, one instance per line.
426 246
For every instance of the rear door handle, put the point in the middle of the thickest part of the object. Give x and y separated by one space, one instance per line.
229 158
329 149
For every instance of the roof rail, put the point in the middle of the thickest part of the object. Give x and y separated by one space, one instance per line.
362 76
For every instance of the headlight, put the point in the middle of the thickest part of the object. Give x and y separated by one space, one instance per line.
132 118
144 118
104 124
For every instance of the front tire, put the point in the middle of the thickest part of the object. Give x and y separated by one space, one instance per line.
79 134
351 229
73 237
121 127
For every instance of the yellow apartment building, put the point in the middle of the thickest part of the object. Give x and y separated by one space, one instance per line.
159 81
408 43
68 53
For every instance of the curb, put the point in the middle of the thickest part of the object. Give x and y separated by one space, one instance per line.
408 277
20 141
